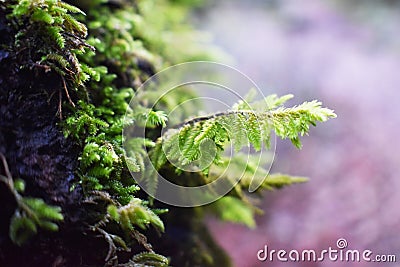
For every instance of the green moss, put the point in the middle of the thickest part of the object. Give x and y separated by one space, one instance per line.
31 213
127 42
56 36
128 51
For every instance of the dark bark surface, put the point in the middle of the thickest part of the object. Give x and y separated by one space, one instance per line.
38 153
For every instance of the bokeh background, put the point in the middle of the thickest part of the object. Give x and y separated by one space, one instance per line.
345 53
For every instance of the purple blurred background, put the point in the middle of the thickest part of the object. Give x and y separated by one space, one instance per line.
346 54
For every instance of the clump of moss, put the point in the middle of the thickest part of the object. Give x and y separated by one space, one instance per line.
50 37
129 49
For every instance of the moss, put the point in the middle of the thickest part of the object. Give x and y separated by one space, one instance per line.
128 51
77 70
92 90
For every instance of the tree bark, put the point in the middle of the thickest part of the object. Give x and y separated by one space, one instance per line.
38 153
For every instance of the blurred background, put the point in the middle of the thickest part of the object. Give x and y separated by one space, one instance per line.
345 53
